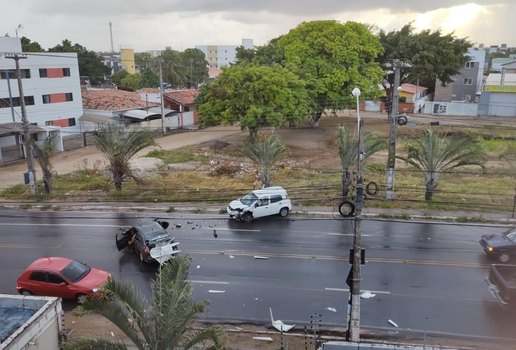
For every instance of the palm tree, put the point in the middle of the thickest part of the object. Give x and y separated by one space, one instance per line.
347 144
165 324
265 152
433 154
43 153
119 147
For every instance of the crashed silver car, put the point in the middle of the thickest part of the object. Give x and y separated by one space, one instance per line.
151 242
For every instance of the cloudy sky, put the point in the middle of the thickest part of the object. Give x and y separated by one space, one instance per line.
180 24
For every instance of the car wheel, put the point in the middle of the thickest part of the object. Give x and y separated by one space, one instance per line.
247 217
283 212
25 292
81 298
504 257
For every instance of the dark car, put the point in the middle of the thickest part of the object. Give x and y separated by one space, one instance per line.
502 246
61 277
150 241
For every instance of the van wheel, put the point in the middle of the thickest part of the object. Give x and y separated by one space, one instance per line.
25 292
283 212
504 257
247 217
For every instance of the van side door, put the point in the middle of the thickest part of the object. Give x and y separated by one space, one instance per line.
261 207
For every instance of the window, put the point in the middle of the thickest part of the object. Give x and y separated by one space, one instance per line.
468 81
53 278
4 101
69 96
46 99
66 72
275 198
37 276
43 73
71 122
470 64
11 74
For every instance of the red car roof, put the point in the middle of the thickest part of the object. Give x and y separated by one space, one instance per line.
49 263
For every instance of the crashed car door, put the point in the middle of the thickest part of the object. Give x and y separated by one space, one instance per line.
122 239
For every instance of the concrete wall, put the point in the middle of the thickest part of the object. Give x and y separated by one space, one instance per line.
39 332
451 108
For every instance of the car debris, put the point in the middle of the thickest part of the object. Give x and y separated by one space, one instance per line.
279 325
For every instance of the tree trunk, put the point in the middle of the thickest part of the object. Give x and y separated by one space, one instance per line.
118 178
346 182
430 184
47 181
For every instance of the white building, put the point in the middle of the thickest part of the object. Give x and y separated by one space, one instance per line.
29 322
52 91
222 55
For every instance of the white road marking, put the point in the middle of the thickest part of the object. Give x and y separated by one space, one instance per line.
230 229
347 290
345 234
214 291
209 282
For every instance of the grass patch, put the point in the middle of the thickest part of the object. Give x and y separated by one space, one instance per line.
180 155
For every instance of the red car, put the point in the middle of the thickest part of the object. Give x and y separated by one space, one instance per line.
61 277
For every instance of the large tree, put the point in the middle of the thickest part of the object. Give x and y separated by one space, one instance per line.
331 57
430 54
30 46
253 97
183 69
347 144
119 147
90 63
434 154
164 323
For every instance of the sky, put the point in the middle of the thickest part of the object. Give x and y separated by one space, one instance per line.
180 24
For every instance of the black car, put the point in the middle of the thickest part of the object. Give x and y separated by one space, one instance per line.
150 241
500 245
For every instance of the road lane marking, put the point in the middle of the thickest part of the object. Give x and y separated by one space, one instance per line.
26 246
229 229
345 234
209 282
362 289
57 225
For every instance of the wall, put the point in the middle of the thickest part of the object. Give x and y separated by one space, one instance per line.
451 108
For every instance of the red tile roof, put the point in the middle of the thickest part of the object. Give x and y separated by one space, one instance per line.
412 88
112 100
183 97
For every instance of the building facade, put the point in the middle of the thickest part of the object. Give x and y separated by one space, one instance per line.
52 95
219 56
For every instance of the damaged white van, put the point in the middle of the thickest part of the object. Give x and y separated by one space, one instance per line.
259 203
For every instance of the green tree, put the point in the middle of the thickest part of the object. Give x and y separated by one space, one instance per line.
143 60
165 323
43 153
332 58
90 63
347 144
30 46
434 154
265 152
116 78
131 82
431 54
253 96
148 78
119 147
194 65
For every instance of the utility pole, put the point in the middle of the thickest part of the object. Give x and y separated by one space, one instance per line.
25 124
397 64
354 321
161 96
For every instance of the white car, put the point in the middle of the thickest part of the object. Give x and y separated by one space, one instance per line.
259 203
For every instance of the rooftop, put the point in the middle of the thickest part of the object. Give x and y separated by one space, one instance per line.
183 97
113 100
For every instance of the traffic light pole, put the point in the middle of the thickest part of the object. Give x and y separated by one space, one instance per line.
25 125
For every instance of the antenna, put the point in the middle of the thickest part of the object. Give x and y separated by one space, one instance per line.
111 35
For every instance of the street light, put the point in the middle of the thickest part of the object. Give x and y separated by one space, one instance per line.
354 321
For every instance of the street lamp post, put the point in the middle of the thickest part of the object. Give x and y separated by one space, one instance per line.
354 322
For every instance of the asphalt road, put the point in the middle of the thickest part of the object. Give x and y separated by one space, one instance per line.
426 277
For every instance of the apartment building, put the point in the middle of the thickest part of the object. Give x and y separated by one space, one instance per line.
219 56
52 95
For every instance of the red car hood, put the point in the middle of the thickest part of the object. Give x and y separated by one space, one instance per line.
94 279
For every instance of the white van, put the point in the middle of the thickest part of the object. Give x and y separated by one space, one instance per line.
259 203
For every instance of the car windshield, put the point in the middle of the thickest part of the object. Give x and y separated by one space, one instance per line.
75 271
153 231
511 235
248 199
